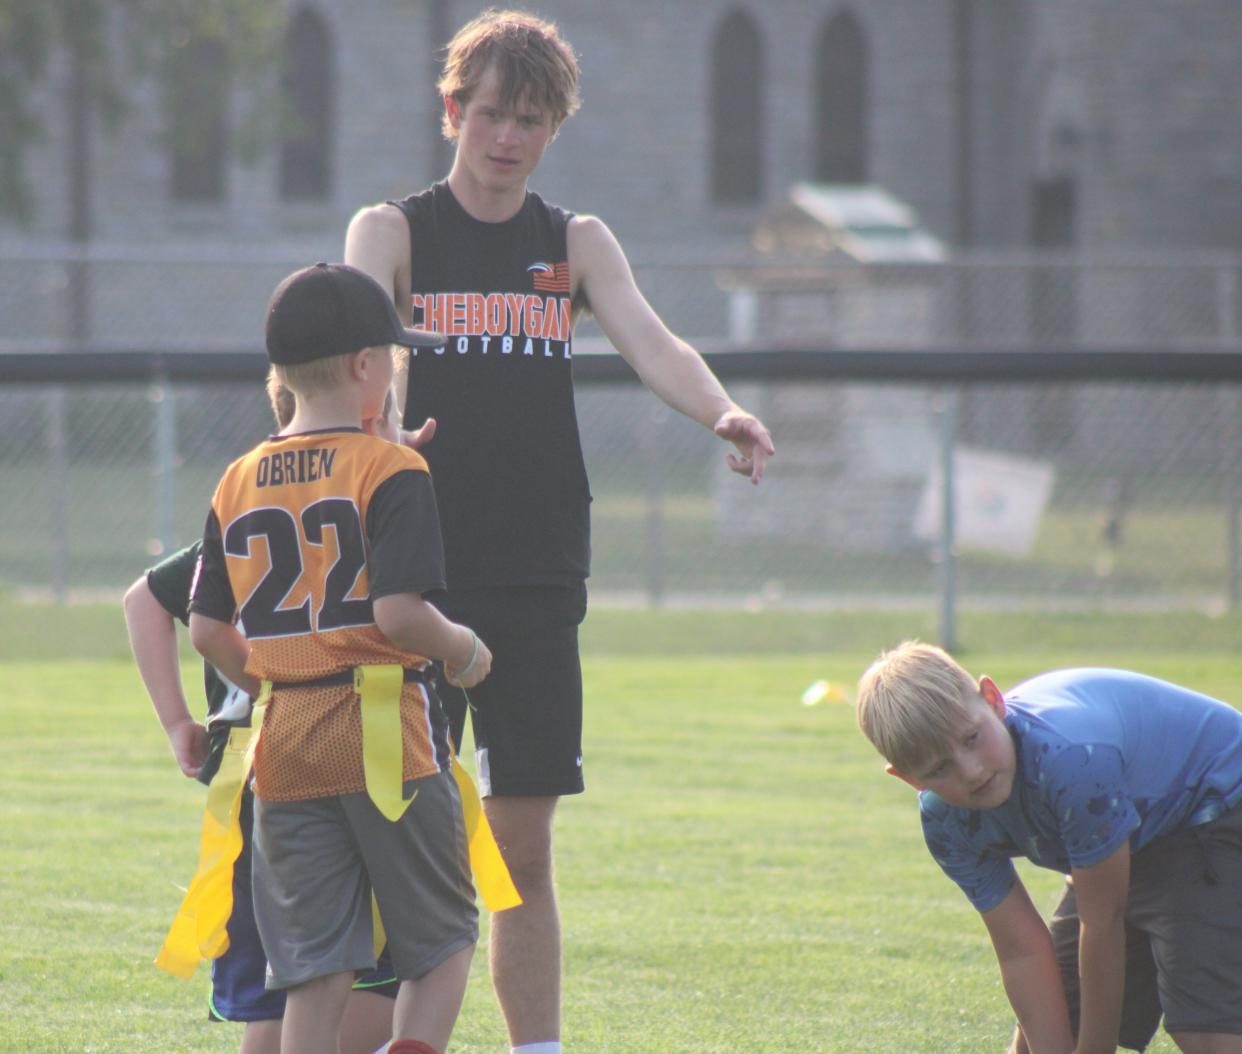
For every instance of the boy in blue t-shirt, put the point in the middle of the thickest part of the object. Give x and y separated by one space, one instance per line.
1129 785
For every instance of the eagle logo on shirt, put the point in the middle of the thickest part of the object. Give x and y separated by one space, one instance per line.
550 277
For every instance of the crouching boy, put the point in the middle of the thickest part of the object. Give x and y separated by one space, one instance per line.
321 542
1126 783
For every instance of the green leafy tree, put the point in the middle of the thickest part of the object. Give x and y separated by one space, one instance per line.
105 47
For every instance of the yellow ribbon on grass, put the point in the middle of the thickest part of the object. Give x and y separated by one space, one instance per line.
199 930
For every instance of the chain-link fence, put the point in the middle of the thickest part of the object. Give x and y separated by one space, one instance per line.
148 299
1067 496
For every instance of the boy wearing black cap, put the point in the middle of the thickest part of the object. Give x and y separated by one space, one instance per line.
308 546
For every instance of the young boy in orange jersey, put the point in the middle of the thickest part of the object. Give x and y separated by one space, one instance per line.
308 546
154 604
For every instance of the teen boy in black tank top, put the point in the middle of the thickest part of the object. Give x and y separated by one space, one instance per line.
508 461
509 81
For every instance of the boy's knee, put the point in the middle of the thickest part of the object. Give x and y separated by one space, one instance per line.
523 830
530 864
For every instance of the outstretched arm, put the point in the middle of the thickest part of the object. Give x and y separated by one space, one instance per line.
1029 973
667 365
153 639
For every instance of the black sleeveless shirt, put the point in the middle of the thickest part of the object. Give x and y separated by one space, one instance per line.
506 457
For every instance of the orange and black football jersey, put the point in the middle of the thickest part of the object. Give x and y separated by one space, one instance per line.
304 532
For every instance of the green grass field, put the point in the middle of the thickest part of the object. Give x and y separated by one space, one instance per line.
739 876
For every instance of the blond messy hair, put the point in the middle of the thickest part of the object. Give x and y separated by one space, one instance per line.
537 66
309 378
909 700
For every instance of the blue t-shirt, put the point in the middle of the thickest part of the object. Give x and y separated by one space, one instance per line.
1102 756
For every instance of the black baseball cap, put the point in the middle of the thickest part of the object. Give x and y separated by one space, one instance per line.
334 309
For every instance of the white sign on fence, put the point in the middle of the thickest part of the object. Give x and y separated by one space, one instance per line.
999 499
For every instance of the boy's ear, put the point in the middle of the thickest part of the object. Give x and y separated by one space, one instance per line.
904 777
453 111
992 695
361 361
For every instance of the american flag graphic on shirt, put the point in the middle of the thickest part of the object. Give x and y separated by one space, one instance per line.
550 277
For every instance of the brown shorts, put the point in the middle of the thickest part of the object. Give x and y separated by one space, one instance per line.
1183 935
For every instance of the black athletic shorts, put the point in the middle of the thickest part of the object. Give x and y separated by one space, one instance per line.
527 714
1183 935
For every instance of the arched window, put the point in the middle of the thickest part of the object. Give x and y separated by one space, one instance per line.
198 102
307 88
840 133
736 111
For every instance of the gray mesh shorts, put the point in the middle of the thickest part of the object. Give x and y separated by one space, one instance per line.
316 861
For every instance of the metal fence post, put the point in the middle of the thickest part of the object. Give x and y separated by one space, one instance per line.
58 492
948 527
165 461
1234 565
1227 331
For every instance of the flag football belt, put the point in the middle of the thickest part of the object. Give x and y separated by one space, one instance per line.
420 675
199 930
